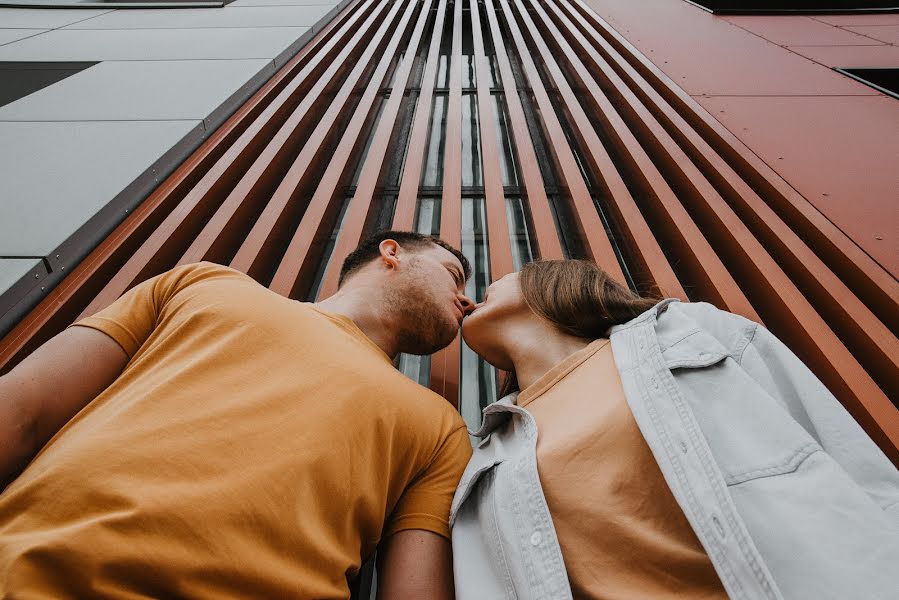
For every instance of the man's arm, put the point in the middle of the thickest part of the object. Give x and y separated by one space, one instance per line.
415 564
48 388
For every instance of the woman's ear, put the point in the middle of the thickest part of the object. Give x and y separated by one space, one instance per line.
389 250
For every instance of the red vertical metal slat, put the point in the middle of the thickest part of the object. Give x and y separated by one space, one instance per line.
827 292
149 257
644 247
300 259
222 231
868 280
360 206
787 307
153 255
258 249
407 200
592 231
500 244
445 363
548 245
716 282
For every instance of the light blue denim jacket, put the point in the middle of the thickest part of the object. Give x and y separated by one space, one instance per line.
786 493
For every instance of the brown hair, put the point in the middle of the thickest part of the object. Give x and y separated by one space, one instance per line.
579 298
368 250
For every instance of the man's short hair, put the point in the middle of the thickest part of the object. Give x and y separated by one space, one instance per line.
368 250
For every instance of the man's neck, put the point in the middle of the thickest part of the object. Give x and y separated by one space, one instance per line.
361 305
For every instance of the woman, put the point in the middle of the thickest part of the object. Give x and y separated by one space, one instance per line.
652 449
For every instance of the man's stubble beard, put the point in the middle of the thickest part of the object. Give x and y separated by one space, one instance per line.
422 326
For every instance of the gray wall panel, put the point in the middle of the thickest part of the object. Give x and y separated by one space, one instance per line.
239 3
153 44
12 35
138 90
56 176
24 271
268 16
45 18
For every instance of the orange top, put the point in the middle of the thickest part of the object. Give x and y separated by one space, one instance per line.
623 535
254 446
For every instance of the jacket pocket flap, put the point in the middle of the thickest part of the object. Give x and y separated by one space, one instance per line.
476 468
698 349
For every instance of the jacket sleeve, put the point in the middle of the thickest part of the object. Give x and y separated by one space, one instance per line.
770 363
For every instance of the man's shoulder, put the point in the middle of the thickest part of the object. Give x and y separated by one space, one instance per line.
203 271
201 278
423 405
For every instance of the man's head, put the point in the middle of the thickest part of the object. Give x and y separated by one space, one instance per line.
422 279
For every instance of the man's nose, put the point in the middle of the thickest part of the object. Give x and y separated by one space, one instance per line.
467 304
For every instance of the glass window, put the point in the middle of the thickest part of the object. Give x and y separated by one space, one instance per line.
394 67
432 174
428 221
469 79
417 368
327 251
446 49
522 249
477 386
504 141
471 143
378 109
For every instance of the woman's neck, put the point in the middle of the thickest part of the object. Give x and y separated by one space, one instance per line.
538 350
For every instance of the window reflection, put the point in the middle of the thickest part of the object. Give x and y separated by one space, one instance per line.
477 378
504 140
522 248
432 174
327 251
417 368
471 143
428 221
372 128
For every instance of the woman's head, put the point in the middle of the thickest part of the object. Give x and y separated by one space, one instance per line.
575 297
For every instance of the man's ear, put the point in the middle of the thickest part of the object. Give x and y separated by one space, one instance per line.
390 251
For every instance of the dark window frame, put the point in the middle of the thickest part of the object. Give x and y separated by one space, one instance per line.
775 7
857 73
126 4
24 86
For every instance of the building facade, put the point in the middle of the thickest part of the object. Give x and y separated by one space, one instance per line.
707 151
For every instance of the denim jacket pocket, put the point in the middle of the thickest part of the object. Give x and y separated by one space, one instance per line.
477 467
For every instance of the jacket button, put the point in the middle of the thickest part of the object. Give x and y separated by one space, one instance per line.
536 538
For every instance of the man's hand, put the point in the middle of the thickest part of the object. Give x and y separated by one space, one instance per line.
415 564
48 388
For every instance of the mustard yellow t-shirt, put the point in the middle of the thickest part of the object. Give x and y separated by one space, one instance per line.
254 446
622 533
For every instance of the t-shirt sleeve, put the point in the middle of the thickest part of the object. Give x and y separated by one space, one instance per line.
425 504
132 318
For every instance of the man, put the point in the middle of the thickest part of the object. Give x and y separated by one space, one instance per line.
206 437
